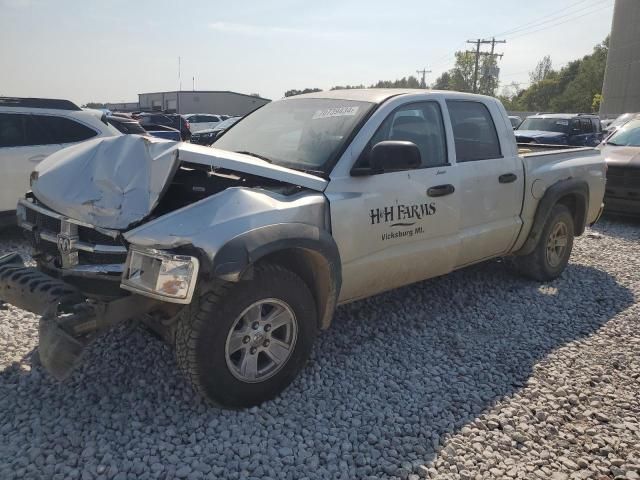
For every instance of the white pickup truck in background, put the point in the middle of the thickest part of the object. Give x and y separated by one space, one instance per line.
239 253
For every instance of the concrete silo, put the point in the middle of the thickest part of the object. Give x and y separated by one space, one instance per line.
621 90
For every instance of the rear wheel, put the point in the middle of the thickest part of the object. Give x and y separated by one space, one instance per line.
550 257
241 344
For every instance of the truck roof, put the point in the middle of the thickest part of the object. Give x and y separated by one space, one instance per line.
377 95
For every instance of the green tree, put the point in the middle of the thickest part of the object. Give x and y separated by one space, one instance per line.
347 87
597 101
542 69
571 89
404 82
293 92
462 72
95 105
443 82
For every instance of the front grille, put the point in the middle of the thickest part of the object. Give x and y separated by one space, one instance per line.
43 222
68 243
90 235
94 258
623 177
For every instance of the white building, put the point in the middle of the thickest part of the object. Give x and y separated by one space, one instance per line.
209 101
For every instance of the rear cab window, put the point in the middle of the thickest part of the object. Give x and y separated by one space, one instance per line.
474 131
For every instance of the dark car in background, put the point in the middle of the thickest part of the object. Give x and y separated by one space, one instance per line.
621 151
131 126
126 125
171 120
576 130
207 137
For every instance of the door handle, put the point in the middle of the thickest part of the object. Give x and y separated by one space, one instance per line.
36 158
440 190
507 178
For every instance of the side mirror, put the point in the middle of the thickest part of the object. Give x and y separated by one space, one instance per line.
393 156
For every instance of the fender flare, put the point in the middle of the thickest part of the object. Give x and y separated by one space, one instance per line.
579 189
234 260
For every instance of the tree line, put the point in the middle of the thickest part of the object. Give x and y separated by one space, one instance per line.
576 87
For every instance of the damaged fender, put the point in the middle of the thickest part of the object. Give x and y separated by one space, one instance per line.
238 226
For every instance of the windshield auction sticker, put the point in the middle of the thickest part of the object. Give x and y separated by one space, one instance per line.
335 112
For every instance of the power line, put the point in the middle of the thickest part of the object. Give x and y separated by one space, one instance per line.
561 23
540 24
549 18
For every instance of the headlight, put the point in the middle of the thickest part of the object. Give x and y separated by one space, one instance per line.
161 275
209 135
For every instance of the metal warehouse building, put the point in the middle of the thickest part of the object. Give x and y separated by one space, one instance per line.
621 89
217 102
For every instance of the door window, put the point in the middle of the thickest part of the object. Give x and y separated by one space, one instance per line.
474 132
419 123
587 127
19 130
64 130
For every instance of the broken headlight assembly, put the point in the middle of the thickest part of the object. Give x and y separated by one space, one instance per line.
161 275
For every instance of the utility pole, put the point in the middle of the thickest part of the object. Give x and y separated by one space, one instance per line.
424 71
478 54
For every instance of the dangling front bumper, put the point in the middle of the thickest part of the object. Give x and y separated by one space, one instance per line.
69 320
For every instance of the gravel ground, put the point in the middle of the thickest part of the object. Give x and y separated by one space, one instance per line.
478 374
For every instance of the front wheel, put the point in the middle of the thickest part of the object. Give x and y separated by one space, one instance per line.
241 344
550 257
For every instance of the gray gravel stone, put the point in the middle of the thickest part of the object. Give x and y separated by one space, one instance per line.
476 375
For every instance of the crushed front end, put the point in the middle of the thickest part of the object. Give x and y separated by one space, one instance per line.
75 285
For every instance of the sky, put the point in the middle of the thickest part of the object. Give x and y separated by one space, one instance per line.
111 50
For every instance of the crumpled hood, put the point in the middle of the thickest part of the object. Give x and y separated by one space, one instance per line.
117 181
539 134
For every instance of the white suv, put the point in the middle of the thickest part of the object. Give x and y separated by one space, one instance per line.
30 130
202 121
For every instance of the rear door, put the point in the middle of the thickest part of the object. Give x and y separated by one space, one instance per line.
64 131
23 144
398 227
491 177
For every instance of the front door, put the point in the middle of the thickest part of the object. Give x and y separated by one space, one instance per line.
398 227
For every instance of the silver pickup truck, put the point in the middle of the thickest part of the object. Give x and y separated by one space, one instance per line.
238 254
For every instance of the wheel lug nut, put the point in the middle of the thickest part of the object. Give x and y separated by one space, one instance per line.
253 350
267 328
246 339
255 325
266 343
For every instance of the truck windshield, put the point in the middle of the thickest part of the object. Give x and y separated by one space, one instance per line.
545 124
627 136
304 133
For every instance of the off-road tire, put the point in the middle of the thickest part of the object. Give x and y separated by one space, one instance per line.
202 331
536 265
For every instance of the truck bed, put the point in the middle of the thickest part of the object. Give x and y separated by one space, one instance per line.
527 149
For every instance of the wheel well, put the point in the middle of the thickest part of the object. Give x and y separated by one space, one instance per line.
578 208
315 272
